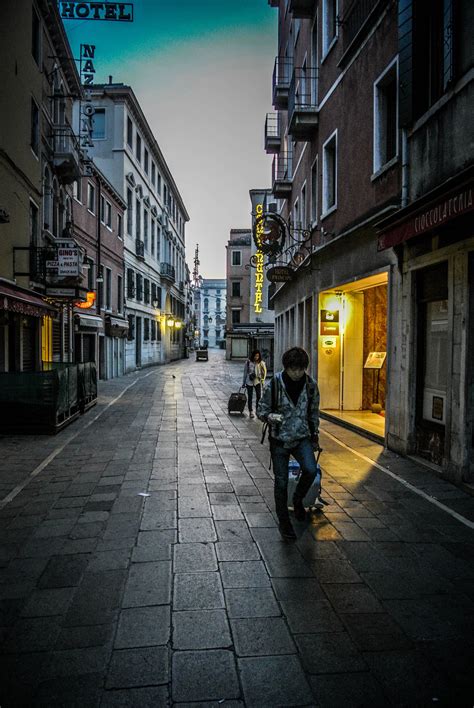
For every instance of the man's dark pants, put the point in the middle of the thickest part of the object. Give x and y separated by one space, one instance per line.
304 454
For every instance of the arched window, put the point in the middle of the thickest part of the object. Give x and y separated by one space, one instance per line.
206 303
68 209
47 199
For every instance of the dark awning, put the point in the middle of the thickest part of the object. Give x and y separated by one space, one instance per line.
24 302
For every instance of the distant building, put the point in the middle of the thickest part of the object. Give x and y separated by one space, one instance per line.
212 312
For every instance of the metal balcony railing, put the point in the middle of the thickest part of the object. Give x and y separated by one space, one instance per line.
66 153
302 8
356 16
272 133
167 271
281 81
282 175
303 103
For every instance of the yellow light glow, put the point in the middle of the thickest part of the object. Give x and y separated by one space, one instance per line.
178 324
170 322
332 303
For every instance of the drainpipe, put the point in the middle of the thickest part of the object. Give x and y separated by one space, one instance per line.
100 291
405 169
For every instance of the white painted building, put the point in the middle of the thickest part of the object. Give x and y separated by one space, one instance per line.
212 312
126 151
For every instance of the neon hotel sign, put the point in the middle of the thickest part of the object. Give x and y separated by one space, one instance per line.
119 11
257 305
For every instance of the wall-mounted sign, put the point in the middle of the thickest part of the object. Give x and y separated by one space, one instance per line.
118 11
329 324
88 303
86 61
329 342
68 262
257 305
375 360
280 274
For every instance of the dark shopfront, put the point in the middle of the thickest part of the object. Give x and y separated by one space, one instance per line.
431 401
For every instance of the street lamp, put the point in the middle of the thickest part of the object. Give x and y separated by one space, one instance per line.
170 321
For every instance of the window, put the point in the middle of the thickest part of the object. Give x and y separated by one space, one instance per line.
158 184
130 283
152 236
146 160
77 190
158 243
329 24
91 197
153 173
235 288
386 117
98 124
218 334
153 294
108 214
235 316
153 330
33 224
236 258
35 37
108 289
138 148
314 191
303 207
296 215
129 211
145 227
129 133
146 329
330 173
131 327
206 304
146 291
34 128
138 219
139 290
102 209
119 293
100 286
119 225
90 274
165 194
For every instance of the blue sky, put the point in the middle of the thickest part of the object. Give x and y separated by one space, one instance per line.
201 70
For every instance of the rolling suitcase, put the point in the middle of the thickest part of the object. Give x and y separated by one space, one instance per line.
237 402
294 472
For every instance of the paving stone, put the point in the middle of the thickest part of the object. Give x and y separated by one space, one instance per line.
20 675
85 636
72 691
304 590
204 676
330 570
149 553
345 689
236 530
433 618
318 617
83 545
226 512
389 586
263 691
151 697
192 507
352 598
109 560
32 634
138 667
194 557
230 551
143 627
48 602
63 571
329 653
76 662
148 584
244 574
375 632
87 530
157 538
221 498
197 591
259 520
251 602
201 629
259 636
96 599
196 530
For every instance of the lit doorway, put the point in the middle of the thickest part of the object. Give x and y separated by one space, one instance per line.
352 348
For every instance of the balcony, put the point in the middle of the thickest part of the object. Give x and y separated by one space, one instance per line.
274 3
282 175
281 82
140 249
303 104
66 154
167 272
181 286
302 8
356 23
272 133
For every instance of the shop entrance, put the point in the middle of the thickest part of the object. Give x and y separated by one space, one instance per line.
352 349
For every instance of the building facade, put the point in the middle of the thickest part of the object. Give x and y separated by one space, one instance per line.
39 160
332 189
212 312
100 325
126 151
431 411
239 250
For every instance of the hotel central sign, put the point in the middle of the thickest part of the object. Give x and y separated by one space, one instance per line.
118 11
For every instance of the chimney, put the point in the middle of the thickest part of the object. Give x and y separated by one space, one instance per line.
110 80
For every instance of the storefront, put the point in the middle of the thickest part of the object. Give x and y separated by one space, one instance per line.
352 353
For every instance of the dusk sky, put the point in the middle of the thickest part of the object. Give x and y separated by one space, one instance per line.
202 73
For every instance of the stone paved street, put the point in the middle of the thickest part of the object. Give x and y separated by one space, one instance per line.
141 565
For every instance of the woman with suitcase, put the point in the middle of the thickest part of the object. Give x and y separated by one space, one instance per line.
255 372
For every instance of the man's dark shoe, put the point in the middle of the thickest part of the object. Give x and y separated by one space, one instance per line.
299 510
286 531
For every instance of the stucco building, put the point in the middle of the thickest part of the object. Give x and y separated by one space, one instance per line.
212 312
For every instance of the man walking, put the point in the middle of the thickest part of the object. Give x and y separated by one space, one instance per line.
290 406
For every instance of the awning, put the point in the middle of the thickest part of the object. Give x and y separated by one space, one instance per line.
24 302
116 326
88 322
432 211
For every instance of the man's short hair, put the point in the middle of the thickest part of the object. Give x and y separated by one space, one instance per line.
296 358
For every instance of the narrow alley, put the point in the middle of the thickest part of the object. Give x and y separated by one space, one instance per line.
141 564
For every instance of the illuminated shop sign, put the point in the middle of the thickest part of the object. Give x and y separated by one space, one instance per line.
257 305
329 323
118 11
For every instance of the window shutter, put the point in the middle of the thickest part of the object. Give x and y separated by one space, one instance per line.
405 44
448 58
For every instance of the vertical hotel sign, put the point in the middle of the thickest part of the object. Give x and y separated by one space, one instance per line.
258 285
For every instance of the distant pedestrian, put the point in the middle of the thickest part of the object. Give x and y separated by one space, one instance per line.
255 373
290 406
